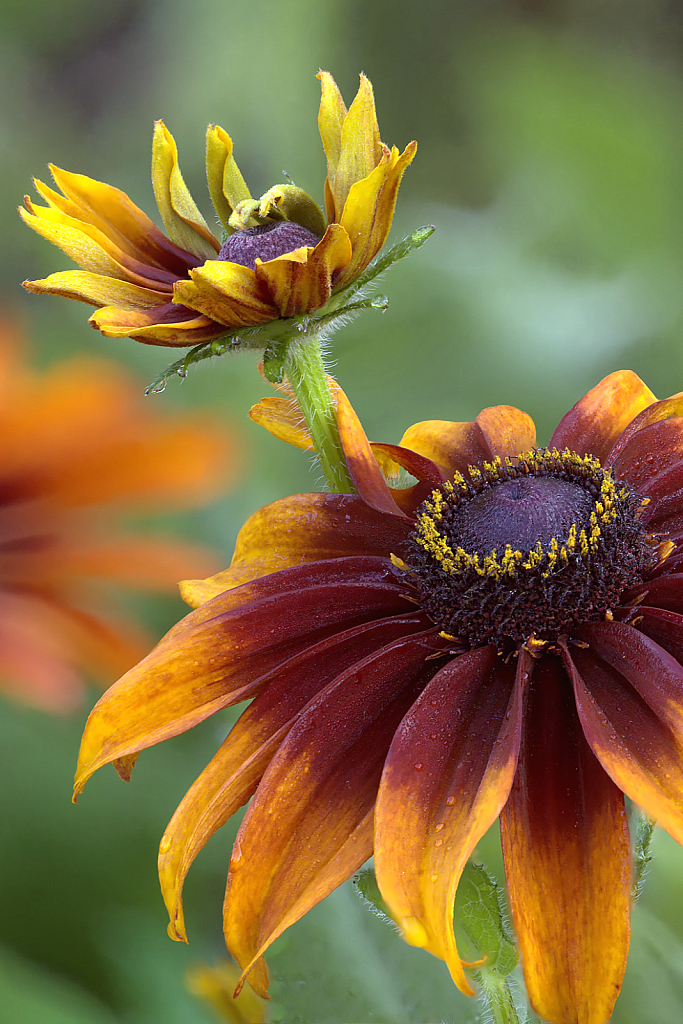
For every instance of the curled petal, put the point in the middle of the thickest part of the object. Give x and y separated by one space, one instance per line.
596 422
179 212
629 692
234 773
169 324
236 638
97 290
309 826
497 431
282 417
330 123
447 775
567 861
369 210
227 187
228 293
298 530
361 463
301 281
360 147
506 430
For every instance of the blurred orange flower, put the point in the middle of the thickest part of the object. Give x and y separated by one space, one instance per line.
74 441
280 257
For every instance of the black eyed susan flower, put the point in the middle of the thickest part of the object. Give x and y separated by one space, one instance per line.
281 255
502 638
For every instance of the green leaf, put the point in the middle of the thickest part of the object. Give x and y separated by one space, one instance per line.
641 853
366 885
480 917
388 257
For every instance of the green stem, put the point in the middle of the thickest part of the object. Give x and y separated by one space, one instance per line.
499 997
305 371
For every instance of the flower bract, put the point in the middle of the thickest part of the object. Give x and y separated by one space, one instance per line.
486 629
280 255
79 445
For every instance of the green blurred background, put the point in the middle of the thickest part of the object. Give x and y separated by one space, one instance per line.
551 146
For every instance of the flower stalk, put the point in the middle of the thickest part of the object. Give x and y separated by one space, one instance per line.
303 366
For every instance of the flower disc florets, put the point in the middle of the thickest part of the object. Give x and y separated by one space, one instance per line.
528 548
266 242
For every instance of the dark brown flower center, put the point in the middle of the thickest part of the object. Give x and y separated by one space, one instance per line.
265 242
527 549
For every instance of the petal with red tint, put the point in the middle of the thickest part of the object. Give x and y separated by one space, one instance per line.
662 592
219 653
629 692
448 773
361 463
567 861
652 461
664 627
234 773
164 325
298 530
595 423
657 412
309 826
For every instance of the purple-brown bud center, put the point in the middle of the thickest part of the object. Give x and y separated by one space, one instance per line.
265 242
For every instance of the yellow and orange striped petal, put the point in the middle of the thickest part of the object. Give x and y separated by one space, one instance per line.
447 775
360 147
301 281
330 122
228 293
97 290
156 327
369 210
361 463
113 213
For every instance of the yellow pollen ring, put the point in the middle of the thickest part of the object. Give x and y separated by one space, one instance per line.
580 541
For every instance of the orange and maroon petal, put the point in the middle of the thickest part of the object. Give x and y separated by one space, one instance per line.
391 459
309 826
595 423
567 861
169 325
664 591
228 293
497 431
301 281
447 775
629 692
652 460
656 412
298 530
232 776
110 210
236 638
361 463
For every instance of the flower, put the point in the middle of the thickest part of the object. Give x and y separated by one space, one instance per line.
502 637
75 442
280 257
